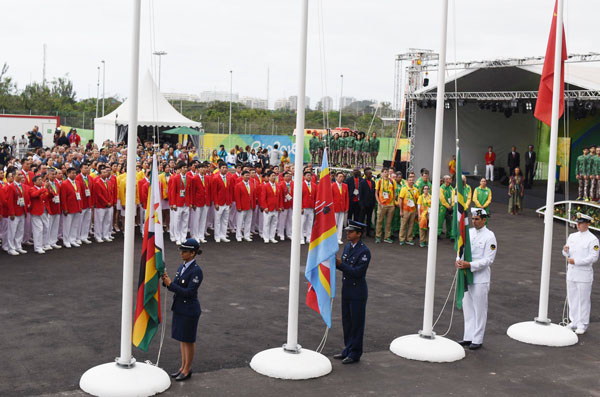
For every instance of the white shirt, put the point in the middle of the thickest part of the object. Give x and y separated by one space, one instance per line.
185 267
483 251
275 157
230 159
583 248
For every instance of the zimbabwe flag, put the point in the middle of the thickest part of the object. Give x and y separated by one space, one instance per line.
147 306
462 244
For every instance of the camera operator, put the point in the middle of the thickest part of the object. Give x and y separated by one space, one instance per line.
35 138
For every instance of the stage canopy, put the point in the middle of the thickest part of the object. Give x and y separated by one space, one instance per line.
495 108
153 111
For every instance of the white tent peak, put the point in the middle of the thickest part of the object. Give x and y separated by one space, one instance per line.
153 110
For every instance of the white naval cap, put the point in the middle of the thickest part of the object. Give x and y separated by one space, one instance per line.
478 212
583 218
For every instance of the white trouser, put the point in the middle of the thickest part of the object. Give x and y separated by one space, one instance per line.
84 224
39 229
4 233
269 225
232 216
579 295
193 222
257 220
172 217
221 219
339 222
489 172
142 220
243 224
27 232
307 222
210 217
102 223
475 306
111 215
284 224
16 228
70 228
53 222
180 223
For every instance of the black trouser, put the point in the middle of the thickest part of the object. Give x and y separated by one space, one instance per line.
529 175
367 212
353 322
354 211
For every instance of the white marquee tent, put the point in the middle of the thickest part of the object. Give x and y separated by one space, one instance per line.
153 111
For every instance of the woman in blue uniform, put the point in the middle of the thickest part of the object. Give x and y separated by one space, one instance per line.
186 306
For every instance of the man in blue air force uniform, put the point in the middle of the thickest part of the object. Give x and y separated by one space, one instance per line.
353 264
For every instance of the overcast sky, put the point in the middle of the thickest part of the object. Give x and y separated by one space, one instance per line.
207 38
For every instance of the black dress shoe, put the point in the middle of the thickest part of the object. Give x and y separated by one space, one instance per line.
464 342
183 376
475 346
175 374
339 356
349 360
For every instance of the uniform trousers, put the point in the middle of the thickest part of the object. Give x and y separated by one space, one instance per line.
16 229
489 172
53 223
593 183
71 224
579 296
269 225
221 219
102 223
387 212
339 222
257 220
39 229
193 222
142 220
172 234
180 223
475 306
84 225
210 218
354 211
406 227
232 217
307 221
445 215
243 224
284 224
198 227
4 233
586 187
366 217
353 323
580 186
27 232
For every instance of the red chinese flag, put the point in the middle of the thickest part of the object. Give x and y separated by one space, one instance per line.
543 107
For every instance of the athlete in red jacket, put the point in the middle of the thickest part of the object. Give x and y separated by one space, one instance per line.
271 204
245 199
284 224
341 203
309 196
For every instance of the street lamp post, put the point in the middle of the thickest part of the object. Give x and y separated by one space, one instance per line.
103 84
97 91
230 97
159 54
341 93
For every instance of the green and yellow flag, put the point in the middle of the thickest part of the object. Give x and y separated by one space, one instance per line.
462 244
147 307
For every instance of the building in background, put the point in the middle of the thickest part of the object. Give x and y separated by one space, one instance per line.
222 96
173 96
346 101
325 104
282 104
253 103
294 102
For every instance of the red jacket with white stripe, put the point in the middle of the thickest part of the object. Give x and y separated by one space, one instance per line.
340 199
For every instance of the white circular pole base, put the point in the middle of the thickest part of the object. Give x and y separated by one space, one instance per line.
111 380
536 333
435 350
277 363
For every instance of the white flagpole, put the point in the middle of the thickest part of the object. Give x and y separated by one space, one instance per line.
426 346
139 379
541 331
292 361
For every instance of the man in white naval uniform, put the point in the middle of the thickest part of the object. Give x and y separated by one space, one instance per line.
475 300
581 252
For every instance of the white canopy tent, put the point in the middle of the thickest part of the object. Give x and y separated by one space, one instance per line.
153 111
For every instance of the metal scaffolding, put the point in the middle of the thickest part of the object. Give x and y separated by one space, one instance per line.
503 95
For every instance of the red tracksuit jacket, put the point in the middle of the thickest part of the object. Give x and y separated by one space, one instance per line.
245 200
340 200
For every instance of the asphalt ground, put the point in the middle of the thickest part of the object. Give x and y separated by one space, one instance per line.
60 315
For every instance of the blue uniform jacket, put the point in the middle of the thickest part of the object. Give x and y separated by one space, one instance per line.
185 287
355 262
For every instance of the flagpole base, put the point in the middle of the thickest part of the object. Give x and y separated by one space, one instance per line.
542 334
113 380
292 365
436 349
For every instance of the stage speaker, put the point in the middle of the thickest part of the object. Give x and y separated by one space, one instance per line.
398 156
387 163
